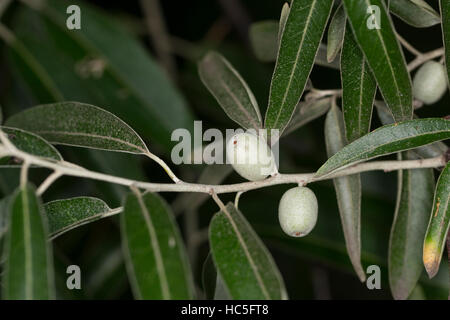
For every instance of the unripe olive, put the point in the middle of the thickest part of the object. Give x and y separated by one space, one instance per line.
430 82
250 156
297 211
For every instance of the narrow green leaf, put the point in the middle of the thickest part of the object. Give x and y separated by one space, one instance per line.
445 12
414 203
154 252
389 139
306 112
263 37
376 37
242 260
79 124
438 225
432 150
26 64
67 214
299 45
358 89
29 267
416 13
230 90
348 191
336 32
29 143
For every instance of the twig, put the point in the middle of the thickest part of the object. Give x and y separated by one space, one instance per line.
75 171
236 200
166 168
48 182
24 174
424 58
408 46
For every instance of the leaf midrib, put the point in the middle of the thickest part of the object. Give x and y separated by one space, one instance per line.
29 285
156 249
382 145
89 135
294 68
247 254
368 3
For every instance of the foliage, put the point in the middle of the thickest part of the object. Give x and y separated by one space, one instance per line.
98 106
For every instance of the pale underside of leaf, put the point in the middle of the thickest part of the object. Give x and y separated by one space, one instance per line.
415 12
230 90
336 33
348 192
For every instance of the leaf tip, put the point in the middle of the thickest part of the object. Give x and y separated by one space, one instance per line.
431 258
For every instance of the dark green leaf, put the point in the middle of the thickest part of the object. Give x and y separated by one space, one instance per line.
414 203
230 91
306 112
358 89
30 143
348 191
438 225
389 139
28 270
154 252
89 66
26 64
429 151
79 124
298 48
445 12
263 36
242 260
67 214
417 13
272 47
383 54
336 32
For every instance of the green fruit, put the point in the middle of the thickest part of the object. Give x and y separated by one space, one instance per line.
297 211
250 156
430 82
